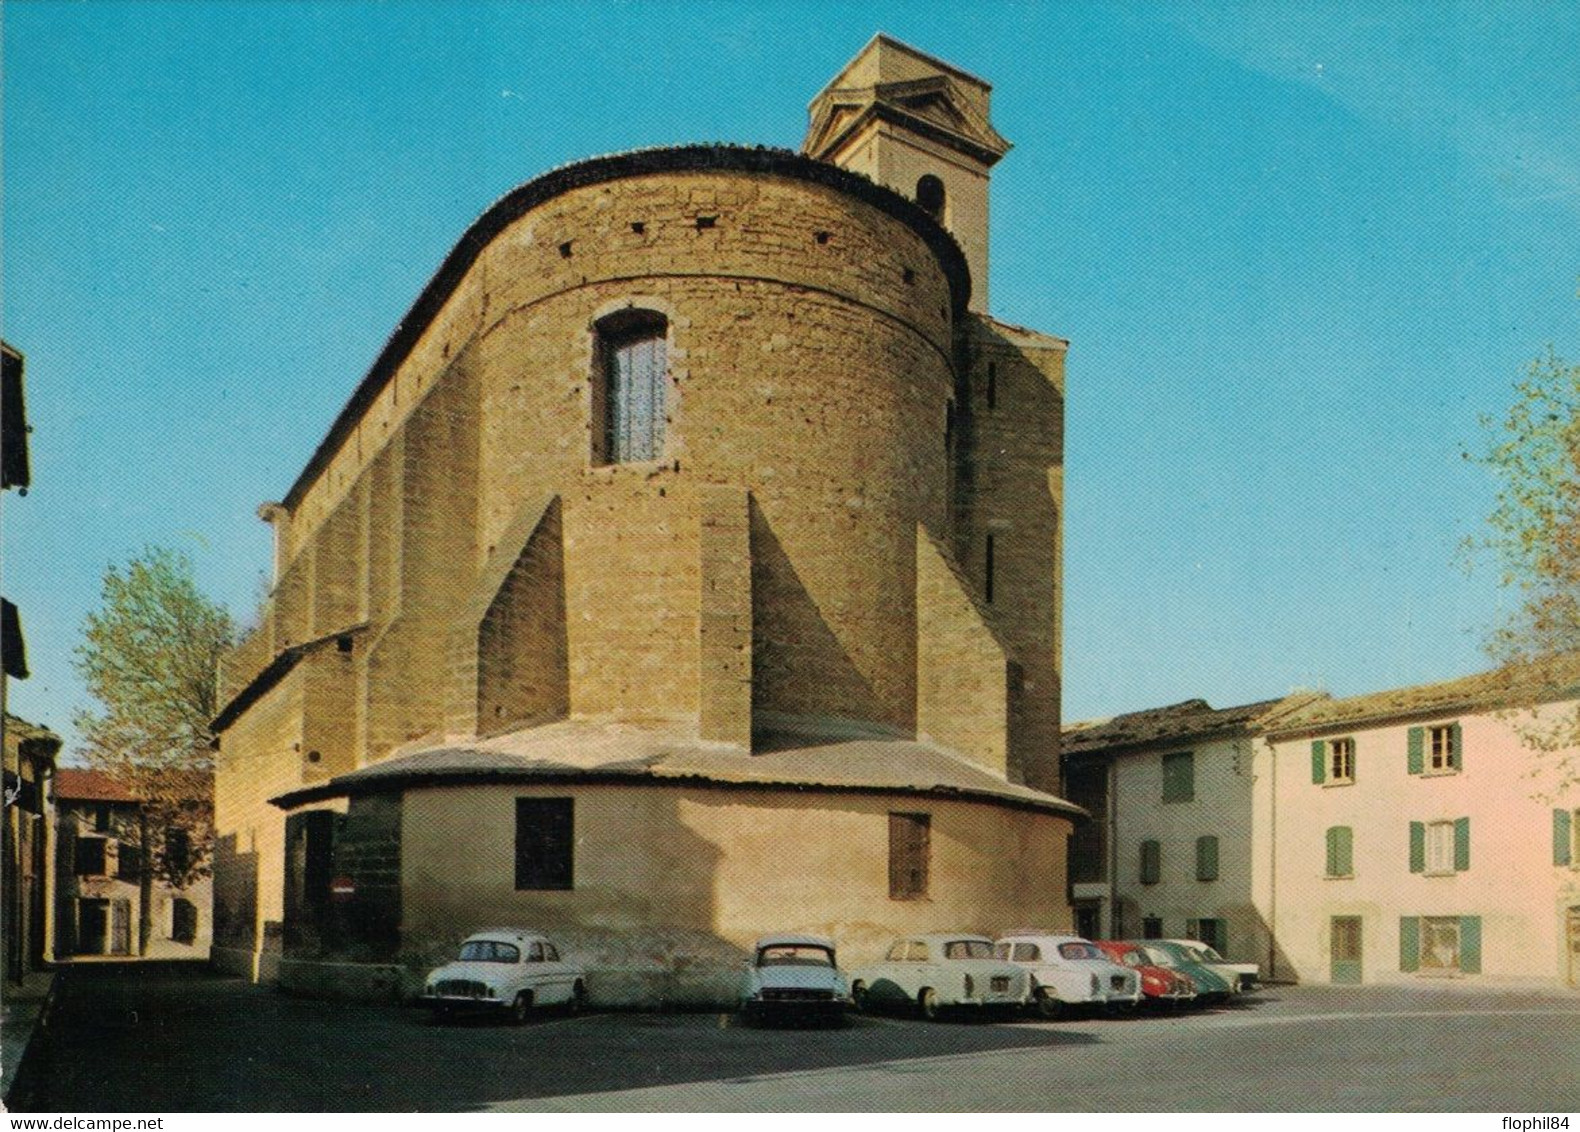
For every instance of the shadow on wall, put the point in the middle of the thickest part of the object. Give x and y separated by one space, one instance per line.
799 666
1010 436
235 906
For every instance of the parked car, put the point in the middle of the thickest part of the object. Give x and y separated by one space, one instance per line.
1211 986
794 978
938 971
1160 985
1067 971
1248 974
506 970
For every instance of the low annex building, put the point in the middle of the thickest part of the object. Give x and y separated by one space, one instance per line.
1416 833
686 568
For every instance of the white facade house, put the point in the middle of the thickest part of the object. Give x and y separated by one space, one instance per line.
1412 834
1173 850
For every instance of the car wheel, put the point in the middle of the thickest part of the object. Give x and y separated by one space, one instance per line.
859 997
521 1008
928 1001
578 999
1046 1005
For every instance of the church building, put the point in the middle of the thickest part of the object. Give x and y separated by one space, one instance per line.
686 567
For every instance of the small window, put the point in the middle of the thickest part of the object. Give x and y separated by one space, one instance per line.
1151 927
1151 862
1435 750
1442 944
897 952
183 920
1566 837
178 851
1179 777
930 195
1027 953
545 843
90 857
1207 858
1212 932
1341 762
1341 851
101 818
1440 847
909 836
550 953
535 953
629 389
988 570
128 862
918 952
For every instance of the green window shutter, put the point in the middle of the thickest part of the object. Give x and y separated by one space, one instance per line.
1470 944
1319 761
1417 744
1151 862
1461 844
1207 858
1344 850
1409 943
1333 851
1457 743
1417 847
1563 843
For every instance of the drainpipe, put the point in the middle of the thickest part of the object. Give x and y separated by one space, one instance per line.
1272 870
1111 848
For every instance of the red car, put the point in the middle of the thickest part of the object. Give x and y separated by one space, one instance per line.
1159 985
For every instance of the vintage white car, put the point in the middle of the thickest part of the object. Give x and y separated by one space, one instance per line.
509 970
1243 977
940 971
1068 971
794 978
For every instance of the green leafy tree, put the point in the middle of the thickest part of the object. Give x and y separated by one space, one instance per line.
149 657
1535 535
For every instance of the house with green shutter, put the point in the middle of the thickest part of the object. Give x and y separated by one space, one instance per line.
1421 833
1175 847
1398 836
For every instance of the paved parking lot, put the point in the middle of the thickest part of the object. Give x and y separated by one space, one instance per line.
228 1046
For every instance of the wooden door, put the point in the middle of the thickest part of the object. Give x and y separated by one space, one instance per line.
120 927
93 922
1346 949
1574 947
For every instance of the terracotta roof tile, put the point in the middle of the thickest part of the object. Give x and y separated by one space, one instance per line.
78 785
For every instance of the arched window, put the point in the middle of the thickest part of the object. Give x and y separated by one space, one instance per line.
930 195
629 387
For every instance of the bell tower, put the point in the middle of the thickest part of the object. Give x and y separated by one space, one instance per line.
920 127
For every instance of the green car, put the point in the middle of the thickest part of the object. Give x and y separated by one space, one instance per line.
1211 987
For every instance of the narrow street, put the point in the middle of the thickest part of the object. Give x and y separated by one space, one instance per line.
174 1038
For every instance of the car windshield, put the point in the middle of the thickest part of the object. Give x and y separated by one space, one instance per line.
795 955
1079 951
1209 954
1134 957
1160 958
968 949
489 951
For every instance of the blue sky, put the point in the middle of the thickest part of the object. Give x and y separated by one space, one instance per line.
1299 250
